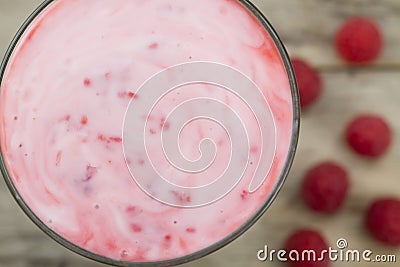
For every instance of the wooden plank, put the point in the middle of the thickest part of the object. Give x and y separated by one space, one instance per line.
345 95
307 28
12 14
298 24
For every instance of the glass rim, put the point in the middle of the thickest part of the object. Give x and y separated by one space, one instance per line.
215 246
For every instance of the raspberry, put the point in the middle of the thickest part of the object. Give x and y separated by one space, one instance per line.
325 187
383 221
369 135
359 40
308 82
306 239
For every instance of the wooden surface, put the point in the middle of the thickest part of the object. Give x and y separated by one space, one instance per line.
306 27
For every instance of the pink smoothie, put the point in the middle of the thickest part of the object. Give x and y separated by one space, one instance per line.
65 94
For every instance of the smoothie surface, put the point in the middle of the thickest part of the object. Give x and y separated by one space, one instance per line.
64 95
